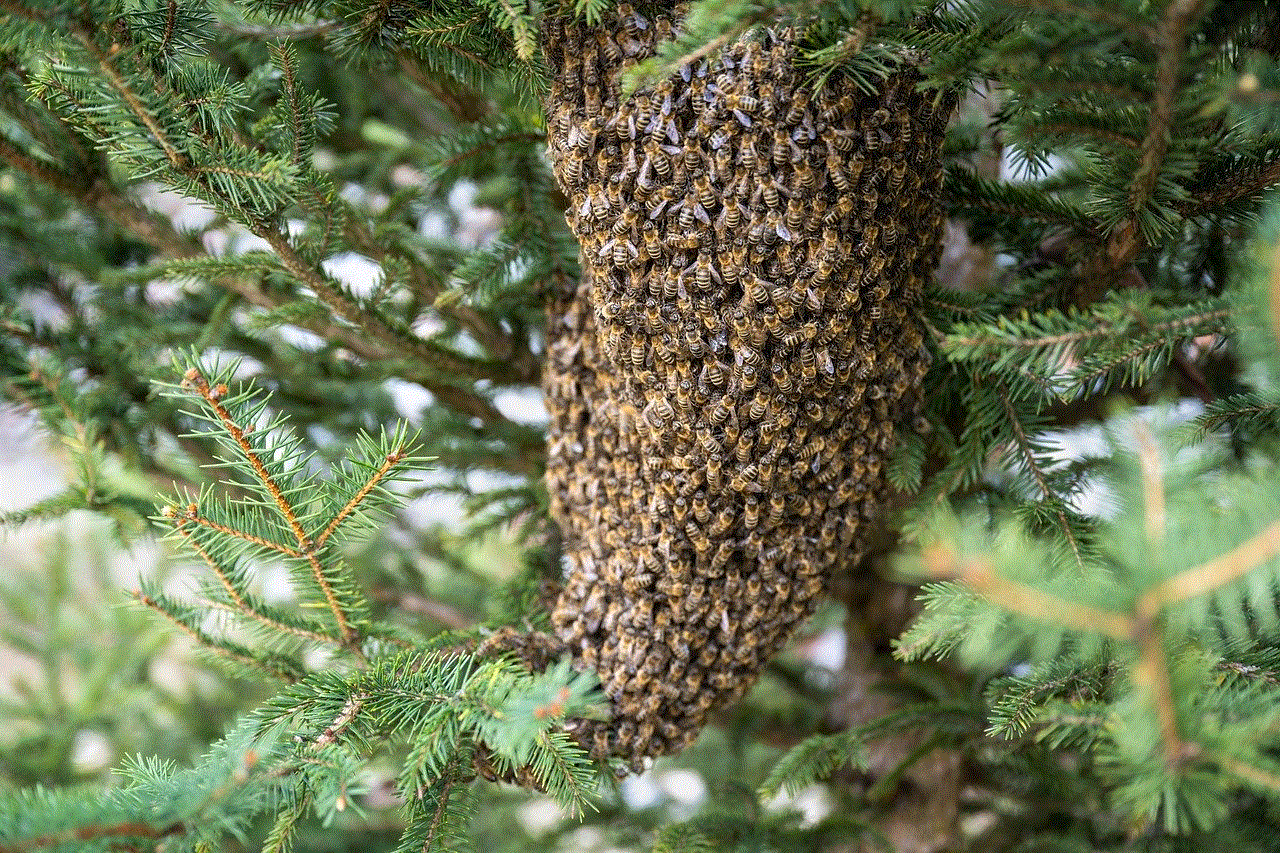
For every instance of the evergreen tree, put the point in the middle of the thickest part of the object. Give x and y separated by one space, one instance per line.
767 396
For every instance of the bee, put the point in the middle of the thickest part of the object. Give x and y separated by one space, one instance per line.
633 24
629 219
573 166
802 334
652 242
721 410
770 192
840 140
775 228
870 197
798 107
805 178
714 477
690 210
701 544
661 162
661 199
867 247
747 157
784 149
836 173
704 272
654 323
740 105
808 364
783 380
843 106
680 510
713 376
620 251
758 406
796 215
684 396
612 52
723 521
905 132
637 354
839 211
705 193
777 508
694 344
897 177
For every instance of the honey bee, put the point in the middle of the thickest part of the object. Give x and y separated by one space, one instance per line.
694 344
705 193
653 320
840 140
897 177
704 272
804 178
661 162
798 107
784 149
783 379
629 219
620 251
573 166
844 106
808 365
839 211
637 354
795 217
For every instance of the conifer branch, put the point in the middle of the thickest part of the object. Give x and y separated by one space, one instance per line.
358 498
103 200
941 562
1033 465
335 729
190 514
1171 37
177 160
308 549
203 553
1153 665
95 832
245 660
437 358
1242 182
257 615
1216 573
1093 12
1254 775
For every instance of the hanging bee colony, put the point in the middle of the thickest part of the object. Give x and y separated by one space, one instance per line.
725 382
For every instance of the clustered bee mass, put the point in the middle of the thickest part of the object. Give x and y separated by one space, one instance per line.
726 380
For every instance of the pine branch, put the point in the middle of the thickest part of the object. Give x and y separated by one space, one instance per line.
307 547
1171 37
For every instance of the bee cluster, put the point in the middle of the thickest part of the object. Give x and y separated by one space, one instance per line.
725 382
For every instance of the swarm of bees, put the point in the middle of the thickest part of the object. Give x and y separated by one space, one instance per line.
726 381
